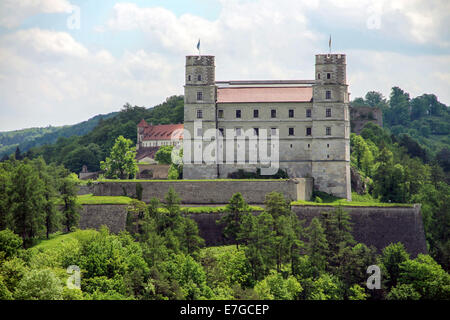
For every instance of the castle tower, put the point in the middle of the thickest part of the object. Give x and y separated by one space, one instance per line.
199 117
331 126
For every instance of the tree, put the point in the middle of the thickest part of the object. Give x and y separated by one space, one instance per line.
403 292
191 241
374 98
426 277
69 190
317 246
232 219
274 287
10 243
391 258
338 227
164 155
258 235
39 285
27 202
121 163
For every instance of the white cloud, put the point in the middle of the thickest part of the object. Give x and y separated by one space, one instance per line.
13 12
47 77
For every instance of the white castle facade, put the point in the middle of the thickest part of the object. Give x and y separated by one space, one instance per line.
306 122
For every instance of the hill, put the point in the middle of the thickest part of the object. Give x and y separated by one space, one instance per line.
26 139
91 148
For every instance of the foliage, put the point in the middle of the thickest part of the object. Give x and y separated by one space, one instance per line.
39 285
10 243
121 163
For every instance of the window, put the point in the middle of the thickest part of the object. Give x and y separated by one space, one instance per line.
328 75
273 131
308 131
199 96
328 113
308 113
291 113
238 131
318 76
199 132
328 131
221 131
309 146
238 113
189 77
256 131
291 131
328 156
328 95
255 113
220 113
199 77
199 114
328 145
273 113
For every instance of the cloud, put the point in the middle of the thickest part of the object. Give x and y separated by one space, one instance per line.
14 12
48 77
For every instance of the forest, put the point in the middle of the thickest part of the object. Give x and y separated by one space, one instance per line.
274 255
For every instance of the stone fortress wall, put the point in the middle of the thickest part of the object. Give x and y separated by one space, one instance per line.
209 191
371 225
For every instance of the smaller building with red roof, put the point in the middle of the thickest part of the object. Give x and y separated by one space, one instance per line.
151 137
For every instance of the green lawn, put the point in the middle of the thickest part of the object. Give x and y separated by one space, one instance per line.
91 199
357 201
57 238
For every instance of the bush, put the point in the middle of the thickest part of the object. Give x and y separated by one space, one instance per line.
39 285
10 243
318 199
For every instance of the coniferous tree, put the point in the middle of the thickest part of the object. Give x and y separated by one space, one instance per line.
317 248
235 209
27 202
70 209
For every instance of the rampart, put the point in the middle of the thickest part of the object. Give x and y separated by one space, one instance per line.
209 191
377 226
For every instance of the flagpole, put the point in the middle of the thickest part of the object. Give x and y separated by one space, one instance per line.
329 43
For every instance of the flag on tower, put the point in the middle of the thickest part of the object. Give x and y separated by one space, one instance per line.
329 43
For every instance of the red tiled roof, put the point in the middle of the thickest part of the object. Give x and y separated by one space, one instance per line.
143 123
163 132
146 152
264 94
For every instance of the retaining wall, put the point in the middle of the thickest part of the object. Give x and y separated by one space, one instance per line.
210 192
371 225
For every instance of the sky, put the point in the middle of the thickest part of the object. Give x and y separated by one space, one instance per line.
65 61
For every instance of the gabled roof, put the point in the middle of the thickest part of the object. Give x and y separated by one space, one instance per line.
163 132
264 94
143 123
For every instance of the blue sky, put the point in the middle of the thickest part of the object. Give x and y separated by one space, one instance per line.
133 51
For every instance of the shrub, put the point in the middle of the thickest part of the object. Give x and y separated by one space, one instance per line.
39 285
10 243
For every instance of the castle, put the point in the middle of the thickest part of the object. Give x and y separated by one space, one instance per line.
308 120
